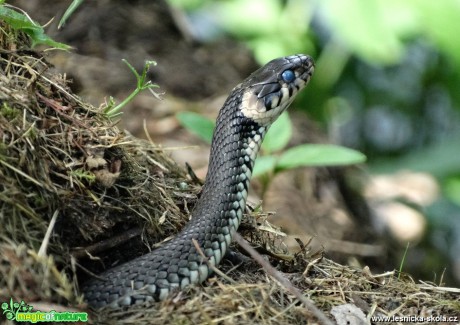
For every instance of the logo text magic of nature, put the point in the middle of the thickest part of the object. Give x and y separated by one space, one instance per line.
21 312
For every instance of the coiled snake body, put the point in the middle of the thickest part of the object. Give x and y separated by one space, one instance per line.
245 117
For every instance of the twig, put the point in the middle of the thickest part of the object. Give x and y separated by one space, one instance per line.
210 265
58 108
108 243
18 171
282 280
46 239
192 174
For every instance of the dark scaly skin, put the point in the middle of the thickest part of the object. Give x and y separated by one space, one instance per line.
241 126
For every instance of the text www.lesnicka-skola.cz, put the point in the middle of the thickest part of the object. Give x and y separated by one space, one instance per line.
415 319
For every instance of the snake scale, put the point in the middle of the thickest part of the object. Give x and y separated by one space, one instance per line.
244 119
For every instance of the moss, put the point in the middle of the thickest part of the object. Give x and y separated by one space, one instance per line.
9 113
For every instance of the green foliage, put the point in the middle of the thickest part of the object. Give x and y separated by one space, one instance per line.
271 28
82 174
8 112
70 10
189 4
264 165
383 27
276 140
370 37
278 135
141 85
452 189
305 155
319 155
438 21
197 124
21 22
403 260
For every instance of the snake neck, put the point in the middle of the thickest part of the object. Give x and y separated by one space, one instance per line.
235 145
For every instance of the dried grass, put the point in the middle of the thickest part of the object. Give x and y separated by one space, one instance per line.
62 157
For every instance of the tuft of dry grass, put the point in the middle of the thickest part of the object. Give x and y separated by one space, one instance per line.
78 195
60 156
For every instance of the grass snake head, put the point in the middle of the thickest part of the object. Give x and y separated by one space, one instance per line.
271 89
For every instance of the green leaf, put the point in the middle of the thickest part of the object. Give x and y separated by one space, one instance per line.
452 189
278 135
70 10
19 21
364 29
197 124
319 155
141 84
438 23
264 164
238 16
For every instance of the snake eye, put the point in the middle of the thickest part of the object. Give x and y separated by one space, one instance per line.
288 76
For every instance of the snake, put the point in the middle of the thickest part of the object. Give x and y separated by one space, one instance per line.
243 121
